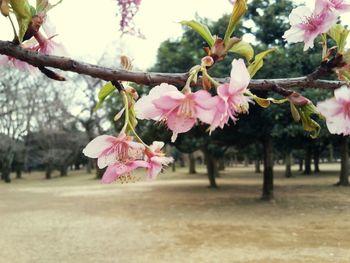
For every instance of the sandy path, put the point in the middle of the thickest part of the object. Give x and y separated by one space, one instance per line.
176 219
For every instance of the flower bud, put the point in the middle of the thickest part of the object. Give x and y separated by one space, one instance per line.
130 90
298 100
126 63
207 61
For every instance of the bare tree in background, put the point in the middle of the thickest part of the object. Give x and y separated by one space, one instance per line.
31 104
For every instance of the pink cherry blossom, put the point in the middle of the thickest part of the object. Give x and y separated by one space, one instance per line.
110 150
118 170
19 64
129 9
179 110
340 6
307 25
48 46
337 111
231 99
13 62
48 27
156 159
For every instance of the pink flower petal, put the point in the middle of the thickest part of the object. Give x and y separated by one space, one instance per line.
240 77
156 146
343 93
307 25
155 169
294 34
166 103
116 170
98 145
156 165
224 91
204 99
144 107
298 15
179 124
113 172
106 160
337 111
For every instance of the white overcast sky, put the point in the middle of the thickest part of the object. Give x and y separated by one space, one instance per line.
88 29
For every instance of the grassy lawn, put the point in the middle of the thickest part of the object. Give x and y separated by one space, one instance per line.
176 219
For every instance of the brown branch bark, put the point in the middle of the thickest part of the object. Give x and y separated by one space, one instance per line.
152 79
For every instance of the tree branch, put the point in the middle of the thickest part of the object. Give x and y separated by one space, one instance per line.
151 79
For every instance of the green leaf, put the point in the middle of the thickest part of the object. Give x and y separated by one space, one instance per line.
295 113
258 62
105 91
32 10
243 48
45 6
23 12
201 29
239 9
264 103
132 114
41 5
339 34
309 125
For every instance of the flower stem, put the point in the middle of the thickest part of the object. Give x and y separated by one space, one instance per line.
127 123
126 106
324 50
215 83
13 27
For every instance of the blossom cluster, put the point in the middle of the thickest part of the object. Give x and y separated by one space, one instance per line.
43 43
182 110
128 9
307 24
121 155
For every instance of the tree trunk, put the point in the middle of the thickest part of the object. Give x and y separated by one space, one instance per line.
221 164
6 166
246 160
235 160
344 170
267 191
6 171
317 160
331 153
307 160
182 162
48 171
257 166
89 166
5 175
173 166
18 173
212 170
64 171
288 161
192 164
100 172
301 164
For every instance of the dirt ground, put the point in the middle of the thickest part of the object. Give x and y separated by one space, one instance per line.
175 219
